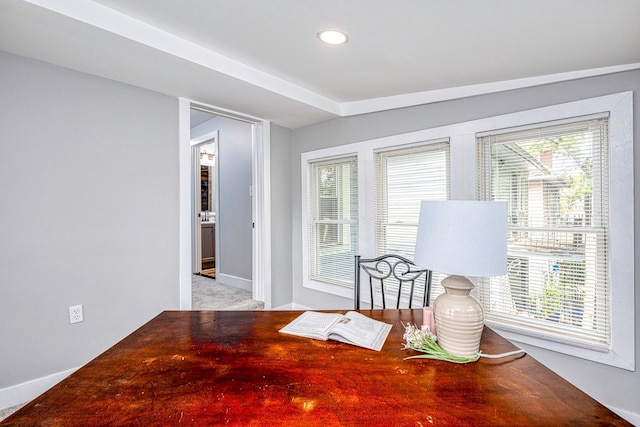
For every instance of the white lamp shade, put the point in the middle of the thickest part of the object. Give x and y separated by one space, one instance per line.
463 237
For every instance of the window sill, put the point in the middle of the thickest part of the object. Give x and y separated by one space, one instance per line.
623 361
341 291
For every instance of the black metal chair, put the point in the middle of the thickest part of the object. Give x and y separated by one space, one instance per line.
393 268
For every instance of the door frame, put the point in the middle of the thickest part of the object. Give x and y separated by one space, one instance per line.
261 202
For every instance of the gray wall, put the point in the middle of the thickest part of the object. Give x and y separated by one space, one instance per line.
281 178
234 215
611 386
88 214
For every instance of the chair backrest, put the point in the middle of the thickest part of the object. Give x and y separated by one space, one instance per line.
391 274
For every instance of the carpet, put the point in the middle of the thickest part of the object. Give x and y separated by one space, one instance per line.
4 413
207 294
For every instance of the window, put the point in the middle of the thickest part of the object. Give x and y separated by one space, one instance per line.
333 220
404 177
364 199
566 172
554 178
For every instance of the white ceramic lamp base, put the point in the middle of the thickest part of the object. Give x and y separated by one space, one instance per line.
459 318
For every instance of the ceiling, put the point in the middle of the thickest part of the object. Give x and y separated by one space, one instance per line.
262 58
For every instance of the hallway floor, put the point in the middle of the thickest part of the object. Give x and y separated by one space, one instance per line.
207 294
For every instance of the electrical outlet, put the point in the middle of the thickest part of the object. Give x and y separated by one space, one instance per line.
75 314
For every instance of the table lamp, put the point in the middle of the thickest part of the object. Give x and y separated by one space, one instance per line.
461 238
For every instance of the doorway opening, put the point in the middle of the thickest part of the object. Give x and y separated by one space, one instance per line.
257 256
205 198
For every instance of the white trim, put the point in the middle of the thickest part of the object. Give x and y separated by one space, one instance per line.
216 186
114 22
184 203
123 25
329 288
632 417
621 219
621 215
431 96
262 213
532 126
223 112
29 390
261 205
293 306
204 138
306 158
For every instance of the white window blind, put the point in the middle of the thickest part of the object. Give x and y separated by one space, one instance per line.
404 177
554 178
333 220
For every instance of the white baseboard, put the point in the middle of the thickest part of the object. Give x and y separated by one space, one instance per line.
235 282
27 391
291 306
633 418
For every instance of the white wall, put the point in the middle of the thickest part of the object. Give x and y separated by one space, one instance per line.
614 387
88 215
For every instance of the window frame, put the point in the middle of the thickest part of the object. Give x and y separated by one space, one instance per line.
365 152
462 152
315 199
621 220
596 229
339 244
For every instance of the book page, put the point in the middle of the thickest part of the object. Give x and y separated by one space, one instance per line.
312 324
361 330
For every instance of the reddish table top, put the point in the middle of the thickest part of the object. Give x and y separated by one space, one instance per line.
234 368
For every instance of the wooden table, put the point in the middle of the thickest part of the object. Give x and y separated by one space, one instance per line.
234 368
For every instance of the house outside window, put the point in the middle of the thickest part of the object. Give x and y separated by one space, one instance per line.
333 225
554 180
404 177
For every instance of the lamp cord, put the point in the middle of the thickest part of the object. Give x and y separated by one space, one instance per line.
497 356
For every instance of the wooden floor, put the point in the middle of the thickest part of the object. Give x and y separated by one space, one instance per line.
210 272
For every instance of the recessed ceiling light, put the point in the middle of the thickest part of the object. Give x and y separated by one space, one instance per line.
333 37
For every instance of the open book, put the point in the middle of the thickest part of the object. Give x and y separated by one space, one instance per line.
351 328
